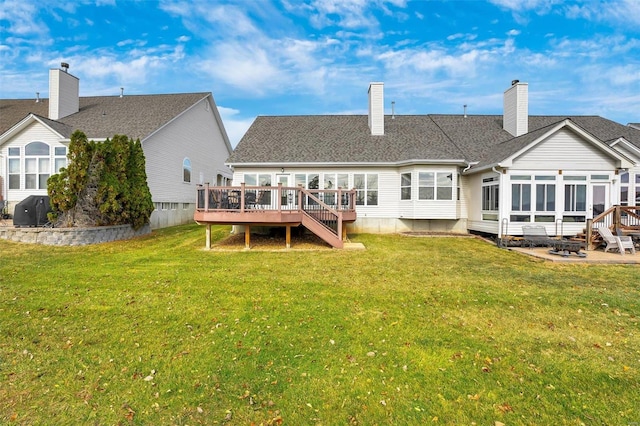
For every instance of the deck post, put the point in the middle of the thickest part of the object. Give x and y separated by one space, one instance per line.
288 237
589 234
247 237
344 233
206 196
207 244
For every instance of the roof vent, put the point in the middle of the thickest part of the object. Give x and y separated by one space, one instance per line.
393 110
64 66
465 110
121 91
37 97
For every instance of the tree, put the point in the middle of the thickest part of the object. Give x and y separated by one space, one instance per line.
103 184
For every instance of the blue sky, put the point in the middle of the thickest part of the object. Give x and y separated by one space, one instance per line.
288 57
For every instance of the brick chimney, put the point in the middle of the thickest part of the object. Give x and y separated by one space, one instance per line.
63 92
376 108
515 119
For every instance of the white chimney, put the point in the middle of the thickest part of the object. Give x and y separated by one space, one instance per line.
376 108
515 119
63 93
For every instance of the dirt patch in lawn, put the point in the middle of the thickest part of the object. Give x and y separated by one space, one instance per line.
273 242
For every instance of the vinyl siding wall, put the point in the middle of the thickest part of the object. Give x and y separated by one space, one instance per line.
194 135
390 214
564 150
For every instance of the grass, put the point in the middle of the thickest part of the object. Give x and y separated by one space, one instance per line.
410 331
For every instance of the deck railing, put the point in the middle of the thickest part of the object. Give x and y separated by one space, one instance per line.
248 199
617 218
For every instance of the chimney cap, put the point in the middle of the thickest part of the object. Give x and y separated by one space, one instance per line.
514 82
64 66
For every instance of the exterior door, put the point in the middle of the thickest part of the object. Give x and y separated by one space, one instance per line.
599 199
287 198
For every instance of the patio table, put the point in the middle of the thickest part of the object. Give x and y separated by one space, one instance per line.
566 247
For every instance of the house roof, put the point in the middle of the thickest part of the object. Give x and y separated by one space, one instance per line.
346 139
136 116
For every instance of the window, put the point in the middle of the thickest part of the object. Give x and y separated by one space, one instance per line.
490 194
637 189
366 185
490 201
445 186
435 186
334 181
254 179
426 186
575 194
308 181
521 197
405 186
545 194
14 168
624 189
60 159
186 170
37 164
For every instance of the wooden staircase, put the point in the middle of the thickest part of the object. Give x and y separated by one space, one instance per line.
323 220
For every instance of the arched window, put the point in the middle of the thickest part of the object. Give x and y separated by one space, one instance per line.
37 165
186 170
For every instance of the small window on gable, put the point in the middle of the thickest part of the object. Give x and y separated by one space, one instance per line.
186 170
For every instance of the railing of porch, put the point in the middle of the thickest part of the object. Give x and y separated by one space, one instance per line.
619 217
248 199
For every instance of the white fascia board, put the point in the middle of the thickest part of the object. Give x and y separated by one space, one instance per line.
628 145
353 164
21 125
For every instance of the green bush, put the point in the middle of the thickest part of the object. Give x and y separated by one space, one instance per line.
103 184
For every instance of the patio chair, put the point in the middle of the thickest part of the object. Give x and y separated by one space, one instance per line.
622 244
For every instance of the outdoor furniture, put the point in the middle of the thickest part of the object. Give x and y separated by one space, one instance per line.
536 235
614 242
566 247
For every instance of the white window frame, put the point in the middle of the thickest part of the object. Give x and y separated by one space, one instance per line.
367 188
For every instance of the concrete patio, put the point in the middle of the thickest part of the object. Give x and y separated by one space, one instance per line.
593 256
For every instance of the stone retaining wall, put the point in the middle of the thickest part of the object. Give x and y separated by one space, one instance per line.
71 236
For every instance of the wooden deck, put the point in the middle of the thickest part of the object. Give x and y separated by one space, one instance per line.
323 212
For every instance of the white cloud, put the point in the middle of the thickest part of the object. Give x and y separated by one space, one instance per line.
21 17
513 33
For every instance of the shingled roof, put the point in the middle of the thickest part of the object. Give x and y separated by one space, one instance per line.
136 116
346 139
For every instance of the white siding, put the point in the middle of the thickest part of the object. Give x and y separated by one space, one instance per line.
194 135
389 203
516 109
376 108
63 94
564 150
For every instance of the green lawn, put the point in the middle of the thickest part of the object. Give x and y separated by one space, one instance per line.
157 331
